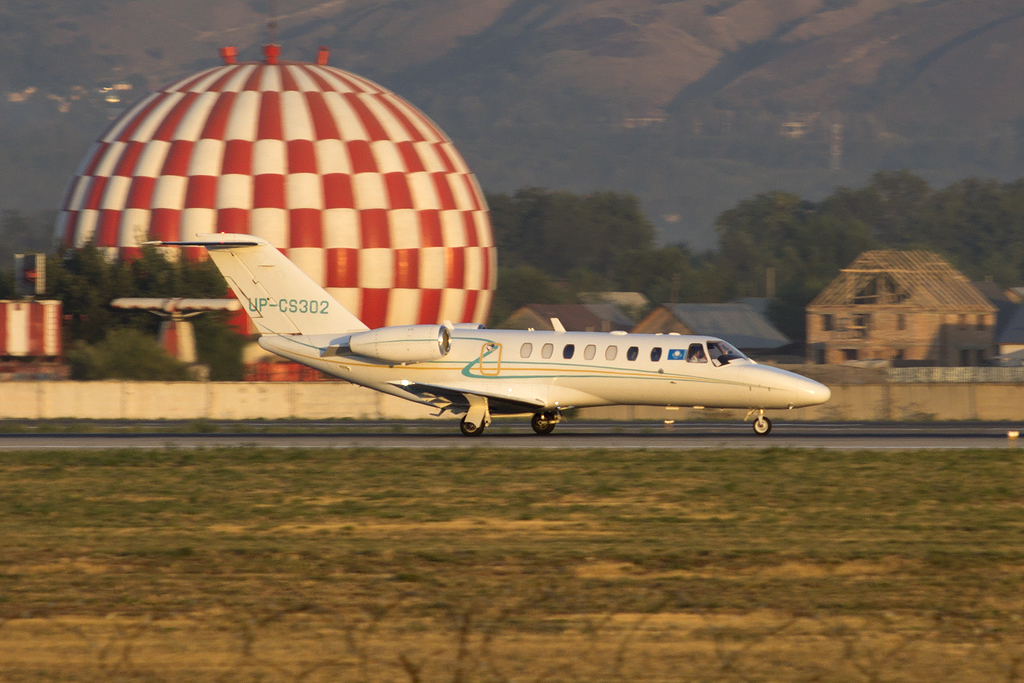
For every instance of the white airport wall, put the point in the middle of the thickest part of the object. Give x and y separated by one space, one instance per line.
115 400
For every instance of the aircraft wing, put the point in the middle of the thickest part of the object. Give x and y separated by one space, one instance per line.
454 398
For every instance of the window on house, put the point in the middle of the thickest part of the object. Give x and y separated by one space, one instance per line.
901 321
981 323
862 324
827 322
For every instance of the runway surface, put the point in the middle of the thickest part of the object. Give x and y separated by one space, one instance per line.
516 435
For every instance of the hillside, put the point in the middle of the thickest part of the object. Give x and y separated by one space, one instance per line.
692 104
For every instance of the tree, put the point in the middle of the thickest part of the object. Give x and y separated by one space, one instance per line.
86 281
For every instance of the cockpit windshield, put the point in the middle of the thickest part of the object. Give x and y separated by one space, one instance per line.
722 353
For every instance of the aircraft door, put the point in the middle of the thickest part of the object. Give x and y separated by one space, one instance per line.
490 359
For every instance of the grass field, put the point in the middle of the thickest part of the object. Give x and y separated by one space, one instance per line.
377 565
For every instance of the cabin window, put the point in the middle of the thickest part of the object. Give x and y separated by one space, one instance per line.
568 351
695 354
611 352
632 353
590 352
656 354
526 351
547 350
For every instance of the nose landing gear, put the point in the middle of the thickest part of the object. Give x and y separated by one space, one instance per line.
762 425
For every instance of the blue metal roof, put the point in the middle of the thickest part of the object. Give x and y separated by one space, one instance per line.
1013 331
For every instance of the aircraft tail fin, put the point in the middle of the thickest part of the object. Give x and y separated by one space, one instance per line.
277 295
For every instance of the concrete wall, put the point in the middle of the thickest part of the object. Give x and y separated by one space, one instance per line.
115 400
336 400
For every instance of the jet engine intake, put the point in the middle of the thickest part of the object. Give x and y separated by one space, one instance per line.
403 343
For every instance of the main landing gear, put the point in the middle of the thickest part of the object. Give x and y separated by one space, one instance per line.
544 423
762 425
470 429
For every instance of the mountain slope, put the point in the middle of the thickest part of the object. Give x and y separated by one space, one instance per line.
691 104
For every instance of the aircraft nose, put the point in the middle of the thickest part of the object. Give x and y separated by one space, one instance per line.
814 393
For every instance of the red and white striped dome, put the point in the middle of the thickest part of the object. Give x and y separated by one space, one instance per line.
357 186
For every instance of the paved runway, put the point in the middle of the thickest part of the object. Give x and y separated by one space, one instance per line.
516 435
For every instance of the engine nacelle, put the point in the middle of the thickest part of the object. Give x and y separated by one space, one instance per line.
404 343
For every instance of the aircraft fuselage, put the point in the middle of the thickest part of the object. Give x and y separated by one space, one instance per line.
540 370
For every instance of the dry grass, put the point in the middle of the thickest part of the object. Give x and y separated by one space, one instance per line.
370 565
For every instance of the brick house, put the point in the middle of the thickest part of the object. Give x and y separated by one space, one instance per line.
901 306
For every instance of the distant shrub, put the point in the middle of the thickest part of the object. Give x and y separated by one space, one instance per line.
125 354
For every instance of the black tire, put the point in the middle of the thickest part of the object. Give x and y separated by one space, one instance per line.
543 423
762 426
470 429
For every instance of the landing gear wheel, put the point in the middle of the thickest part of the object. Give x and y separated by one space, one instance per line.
543 423
762 425
470 429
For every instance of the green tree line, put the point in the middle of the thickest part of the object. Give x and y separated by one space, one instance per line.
553 245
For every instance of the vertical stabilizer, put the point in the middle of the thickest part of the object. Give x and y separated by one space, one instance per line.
277 295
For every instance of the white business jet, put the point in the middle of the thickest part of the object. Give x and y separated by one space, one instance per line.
471 371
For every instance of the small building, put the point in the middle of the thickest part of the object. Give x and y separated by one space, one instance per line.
1010 341
1005 300
31 329
31 346
737 323
574 317
901 306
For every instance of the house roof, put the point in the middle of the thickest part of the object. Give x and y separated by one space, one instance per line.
575 317
911 279
738 324
634 300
